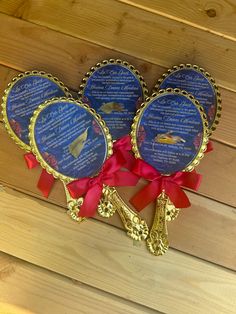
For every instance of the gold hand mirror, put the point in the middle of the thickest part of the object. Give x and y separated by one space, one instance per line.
115 89
170 134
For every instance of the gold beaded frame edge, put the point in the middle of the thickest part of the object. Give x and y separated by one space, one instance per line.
117 62
177 91
33 144
49 76
208 77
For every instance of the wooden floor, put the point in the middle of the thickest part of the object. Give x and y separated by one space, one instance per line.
51 265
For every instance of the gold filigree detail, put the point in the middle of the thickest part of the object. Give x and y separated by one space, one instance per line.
171 211
73 206
135 226
106 209
73 209
157 242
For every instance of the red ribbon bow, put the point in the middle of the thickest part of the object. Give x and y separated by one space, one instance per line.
171 184
46 180
109 175
123 147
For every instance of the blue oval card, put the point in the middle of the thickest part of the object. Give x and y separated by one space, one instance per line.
69 139
169 132
24 94
115 90
200 84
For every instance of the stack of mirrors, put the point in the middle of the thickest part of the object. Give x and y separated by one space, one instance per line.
74 138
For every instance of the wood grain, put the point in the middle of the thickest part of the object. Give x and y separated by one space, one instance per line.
26 288
82 55
205 230
21 41
218 16
187 234
101 256
130 30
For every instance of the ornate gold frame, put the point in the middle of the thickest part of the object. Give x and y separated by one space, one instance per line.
177 91
157 242
52 78
111 201
33 144
103 63
207 76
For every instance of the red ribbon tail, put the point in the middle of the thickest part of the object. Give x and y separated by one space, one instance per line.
210 147
177 196
30 160
91 201
45 183
146 195
190 180
123 147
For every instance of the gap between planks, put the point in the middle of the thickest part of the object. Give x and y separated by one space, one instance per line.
176 18
63 209
24 285
194 231
109 35
110 262
176 240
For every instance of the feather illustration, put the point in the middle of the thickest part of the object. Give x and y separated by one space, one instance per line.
168 138
77 145
111 106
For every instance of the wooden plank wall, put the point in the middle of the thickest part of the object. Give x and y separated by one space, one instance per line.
101 256
39 241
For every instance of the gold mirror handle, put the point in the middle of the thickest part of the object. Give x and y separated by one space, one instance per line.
136 227
73 205
157 242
